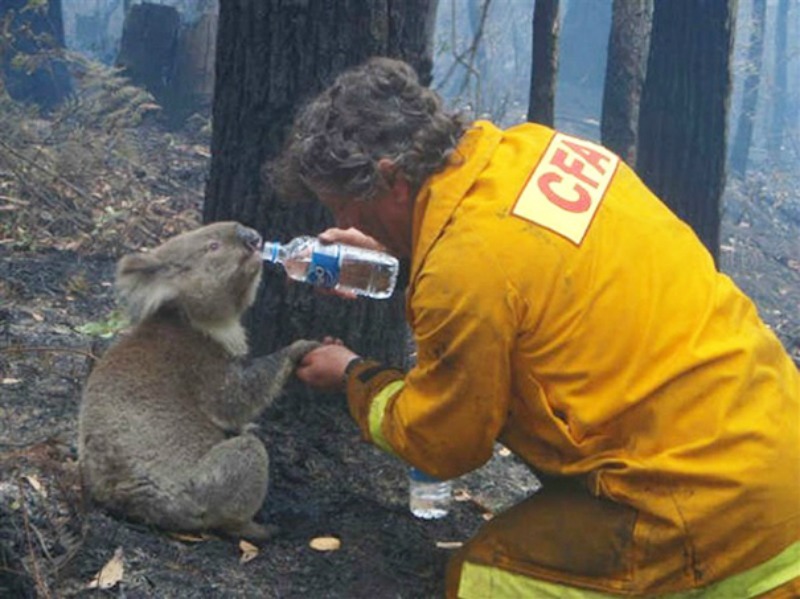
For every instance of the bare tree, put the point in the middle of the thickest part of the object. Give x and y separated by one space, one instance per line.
271 57
544 62
463 77
682 122
628 46
755 53
780 94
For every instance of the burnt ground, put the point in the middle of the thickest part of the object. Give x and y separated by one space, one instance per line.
56 299
324 480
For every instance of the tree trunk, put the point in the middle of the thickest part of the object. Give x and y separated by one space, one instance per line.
271 57
684 108
147 50
192 85
32 70
752 81
779 99
544 63
628 45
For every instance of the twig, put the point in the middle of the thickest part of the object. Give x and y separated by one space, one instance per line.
14 200
471 50
41 585
13 350
162 177
47 171
42 543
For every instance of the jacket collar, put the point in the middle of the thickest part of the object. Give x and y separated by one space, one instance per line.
442 193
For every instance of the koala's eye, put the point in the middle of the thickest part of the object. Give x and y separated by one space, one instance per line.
213 246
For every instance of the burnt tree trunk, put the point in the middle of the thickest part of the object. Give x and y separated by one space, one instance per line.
628 45
684 108
148 45
192 84
271 57
755 54
544 63
31 40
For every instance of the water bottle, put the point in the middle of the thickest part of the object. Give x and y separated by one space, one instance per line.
428 497
335 266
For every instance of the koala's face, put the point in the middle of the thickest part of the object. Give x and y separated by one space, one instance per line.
212 273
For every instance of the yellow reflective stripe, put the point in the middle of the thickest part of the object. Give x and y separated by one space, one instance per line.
753 582
376 411
486 582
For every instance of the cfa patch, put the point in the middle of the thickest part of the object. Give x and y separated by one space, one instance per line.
566 187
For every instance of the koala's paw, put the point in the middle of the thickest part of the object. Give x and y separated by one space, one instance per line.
300 348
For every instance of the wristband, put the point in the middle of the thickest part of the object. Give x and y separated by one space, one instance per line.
350 365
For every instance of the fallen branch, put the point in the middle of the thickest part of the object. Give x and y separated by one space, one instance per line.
21 349
47 171
41 585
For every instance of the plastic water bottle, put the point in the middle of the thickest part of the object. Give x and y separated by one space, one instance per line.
428 497
335 266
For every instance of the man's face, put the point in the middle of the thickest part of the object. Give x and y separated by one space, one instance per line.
387 218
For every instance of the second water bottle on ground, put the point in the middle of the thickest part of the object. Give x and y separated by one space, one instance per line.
336 266
428 497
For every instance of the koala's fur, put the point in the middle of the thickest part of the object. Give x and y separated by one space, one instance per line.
162 423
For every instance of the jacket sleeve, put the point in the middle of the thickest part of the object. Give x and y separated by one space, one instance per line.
446 413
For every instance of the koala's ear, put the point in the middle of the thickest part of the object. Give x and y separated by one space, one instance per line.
140 263
141 285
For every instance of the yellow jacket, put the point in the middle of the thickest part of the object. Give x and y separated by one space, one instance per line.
560 308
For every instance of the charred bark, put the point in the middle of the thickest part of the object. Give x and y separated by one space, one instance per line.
544 63
628 45
684 108
148 46
271 57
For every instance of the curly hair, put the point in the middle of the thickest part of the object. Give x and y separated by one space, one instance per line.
374 111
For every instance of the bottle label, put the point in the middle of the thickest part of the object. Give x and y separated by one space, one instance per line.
325 265
417 475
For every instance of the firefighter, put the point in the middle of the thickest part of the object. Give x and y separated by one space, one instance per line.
560 309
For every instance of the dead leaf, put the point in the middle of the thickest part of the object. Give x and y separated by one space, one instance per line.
36 484
325 543
449 544
188 538
110 574
461 495
249 551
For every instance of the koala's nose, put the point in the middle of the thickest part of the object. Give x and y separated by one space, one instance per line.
249 237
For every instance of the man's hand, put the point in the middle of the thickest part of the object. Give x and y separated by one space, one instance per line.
323 368
351 236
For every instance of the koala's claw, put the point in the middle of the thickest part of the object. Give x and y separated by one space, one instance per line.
300 348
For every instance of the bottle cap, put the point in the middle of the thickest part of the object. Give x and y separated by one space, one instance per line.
270 251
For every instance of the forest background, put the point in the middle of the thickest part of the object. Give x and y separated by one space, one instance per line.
124 129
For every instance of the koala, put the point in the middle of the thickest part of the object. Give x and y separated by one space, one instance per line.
163 425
